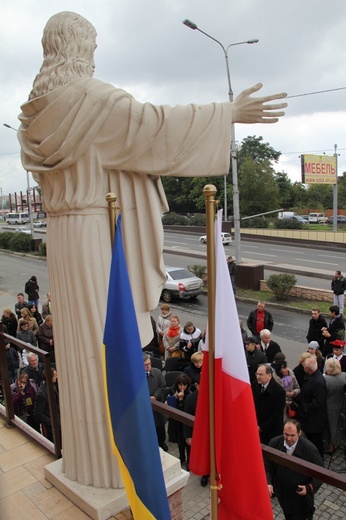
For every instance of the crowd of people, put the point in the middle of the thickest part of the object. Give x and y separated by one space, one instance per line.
297 408
288 401
26 370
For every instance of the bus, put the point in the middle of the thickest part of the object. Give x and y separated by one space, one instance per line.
17 218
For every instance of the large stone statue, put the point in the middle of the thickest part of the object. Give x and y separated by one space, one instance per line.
83 138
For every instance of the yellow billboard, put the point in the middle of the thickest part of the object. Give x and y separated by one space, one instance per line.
318 169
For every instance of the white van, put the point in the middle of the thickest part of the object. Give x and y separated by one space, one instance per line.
17 218
317 218
287 214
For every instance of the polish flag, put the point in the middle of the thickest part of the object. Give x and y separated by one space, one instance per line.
239 462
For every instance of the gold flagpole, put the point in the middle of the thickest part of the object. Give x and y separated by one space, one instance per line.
111 198
209 192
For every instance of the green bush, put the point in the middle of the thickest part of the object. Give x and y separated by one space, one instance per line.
199 219
281 284
287 223
200 271
5 238
21 242
254 223
43 249
171 219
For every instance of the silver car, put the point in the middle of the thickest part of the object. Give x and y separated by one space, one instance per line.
181 284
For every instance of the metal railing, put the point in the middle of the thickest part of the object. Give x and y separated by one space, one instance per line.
6 388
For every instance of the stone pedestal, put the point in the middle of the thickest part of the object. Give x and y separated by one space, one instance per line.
101 504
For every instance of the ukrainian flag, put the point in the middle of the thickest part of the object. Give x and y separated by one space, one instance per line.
130 415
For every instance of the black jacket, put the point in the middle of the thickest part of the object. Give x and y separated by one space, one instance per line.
286 480
268 321
336 330
31 289
338 285
314 332
269 409
272 349
253 359
312 410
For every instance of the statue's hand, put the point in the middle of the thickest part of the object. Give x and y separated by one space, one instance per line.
253 110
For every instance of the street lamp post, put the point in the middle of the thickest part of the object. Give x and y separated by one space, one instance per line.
28 191
236 211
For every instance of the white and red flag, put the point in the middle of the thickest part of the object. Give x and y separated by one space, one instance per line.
239 462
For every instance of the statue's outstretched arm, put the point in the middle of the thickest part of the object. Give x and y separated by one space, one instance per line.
247 109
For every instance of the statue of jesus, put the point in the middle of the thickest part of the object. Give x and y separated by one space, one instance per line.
82 138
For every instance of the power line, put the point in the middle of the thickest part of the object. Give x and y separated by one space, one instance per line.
317 92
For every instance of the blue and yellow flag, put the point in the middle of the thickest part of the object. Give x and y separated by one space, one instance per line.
130 415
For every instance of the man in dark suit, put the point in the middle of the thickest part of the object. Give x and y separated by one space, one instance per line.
270 400
312 410
268 346
156 385
294 491
336 329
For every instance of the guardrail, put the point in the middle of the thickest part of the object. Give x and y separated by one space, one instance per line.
6 388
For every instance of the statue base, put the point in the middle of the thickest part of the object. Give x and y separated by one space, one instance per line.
101 504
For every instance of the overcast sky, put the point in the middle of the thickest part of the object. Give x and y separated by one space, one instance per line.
144 48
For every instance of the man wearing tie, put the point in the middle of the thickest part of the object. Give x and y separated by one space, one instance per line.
268 346
294 491
270 401
156 385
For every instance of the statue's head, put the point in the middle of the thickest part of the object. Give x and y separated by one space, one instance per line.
69 42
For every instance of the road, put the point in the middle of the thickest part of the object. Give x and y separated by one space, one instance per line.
260 251
289 330
318 264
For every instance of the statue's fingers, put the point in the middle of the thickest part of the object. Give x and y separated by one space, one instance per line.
282 95
275 106
272 114
252 90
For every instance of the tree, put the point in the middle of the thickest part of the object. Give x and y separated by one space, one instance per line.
286 193
254 148
342 191
257 188
320 196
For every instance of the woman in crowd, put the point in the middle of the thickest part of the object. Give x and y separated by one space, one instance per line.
171 338
314 350
10 320
299 371
23 393
193 370
12 359
41 408
35 314
27 316
25 334
163 322
335 381
176 398
45 337
31 289
286 378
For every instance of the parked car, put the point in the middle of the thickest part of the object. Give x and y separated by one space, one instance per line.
305 218
23 229
286 214
317 218
180 284
40 223
225 237
341 219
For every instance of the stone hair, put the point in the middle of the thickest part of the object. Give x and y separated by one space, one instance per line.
68 47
